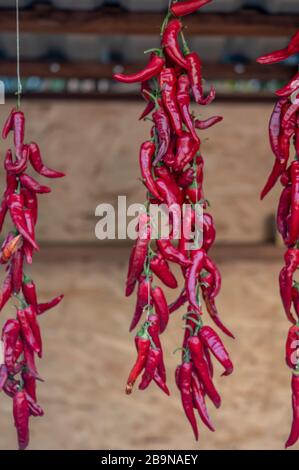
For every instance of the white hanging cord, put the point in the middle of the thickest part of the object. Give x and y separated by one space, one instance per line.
19 83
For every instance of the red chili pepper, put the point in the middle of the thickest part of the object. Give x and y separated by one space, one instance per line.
164 173
17 271
15 122
8 125
30 201
286 280
199 402
206 124
146 155
186 150
143 298
28 249
38 165
142 344
294 219
21 418
162 128
171 253
145 92
3 376
187 7
29 384
185 387
283 211
16 204
295 298
41 308
168 196
292 345
209 232
9 247
290 88
29 292
32 319
187 226
195 76
186 178
210 338
179 302
161 384
281 54
195 191
6 290
32 185
152 69
168 91
152 362
161 269
294 434
34 408
277 170
11 186
191 278
20 164
171 45
202 369
211 267
161 307
154 331
30 362
10 335
275 127
27 331
183 99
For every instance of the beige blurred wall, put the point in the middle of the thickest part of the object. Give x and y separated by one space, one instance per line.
96 144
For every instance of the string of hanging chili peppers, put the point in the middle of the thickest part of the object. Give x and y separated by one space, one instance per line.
284 132
172 169
21 335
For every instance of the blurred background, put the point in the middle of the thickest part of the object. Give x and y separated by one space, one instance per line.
87 126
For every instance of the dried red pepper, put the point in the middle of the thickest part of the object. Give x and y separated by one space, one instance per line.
187 7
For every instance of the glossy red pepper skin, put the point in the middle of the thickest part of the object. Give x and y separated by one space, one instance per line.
179 302
161 269
294 434
21 418
210 338
8 125
9 247
185 387
30 201
30 361
183 99
283 211
146 155
207 123
142 345
10 335
167 81
152 362
28 249
34 408
294 219
295 299
211 267
209 232
20 164
186 178
194 192
29 292
278 168
290 88
171 45
6 290
29 384
169 197
191 278
16 205
286 280
161 307
16 123
44 307
195 76
199 402
32 185
202 369
152 69
3 375
32 320
164 173
143 297
187 7
162 128
27 331
154 331
186 149
291 348
171 253
281 54
38 165
17 271
275 126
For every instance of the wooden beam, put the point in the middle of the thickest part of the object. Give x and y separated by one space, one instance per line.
81 70
109 20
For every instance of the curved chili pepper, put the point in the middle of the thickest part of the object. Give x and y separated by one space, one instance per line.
283 211
295 298
187 225
10 335
294 434
291 347
210 338
186 178
11 186
209 232
17 271
168 196
30 362
27 331
281 54
146 155
164 173
29 384
187 7
171 253
16 123
142 343
3 376
42 308
212 309
19 348
21 418
199 402
294 218
20 164
185 387
15 205
30 313
6 289
28 250
38 165
286 280
152 69
32 185
145 92
186 149
29 292
195 77
153 331
162 127
161 269
161 307
179 302
211 267
167 82
152 362
9 247
170 43
290 88
191 278
183 99
275 127
161 384
195 191
206 124
30 201
34 408
143 298
277 170
202 369
8 125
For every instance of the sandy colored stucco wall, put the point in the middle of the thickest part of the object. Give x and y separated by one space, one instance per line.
97 144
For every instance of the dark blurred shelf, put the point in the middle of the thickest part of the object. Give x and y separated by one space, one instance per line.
81 70
47 19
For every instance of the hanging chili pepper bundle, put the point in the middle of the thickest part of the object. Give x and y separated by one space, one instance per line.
21 336
283 135
172 170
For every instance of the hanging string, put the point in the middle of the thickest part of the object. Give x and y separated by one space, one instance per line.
19 83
